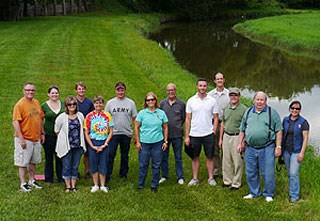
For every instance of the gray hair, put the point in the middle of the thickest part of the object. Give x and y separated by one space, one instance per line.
260 93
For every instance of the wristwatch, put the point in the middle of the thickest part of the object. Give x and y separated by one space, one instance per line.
166 141
279 147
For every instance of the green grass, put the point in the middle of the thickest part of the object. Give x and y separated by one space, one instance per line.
295 33
101 49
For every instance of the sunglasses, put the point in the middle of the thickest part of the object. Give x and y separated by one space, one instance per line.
152 99
295 108
71 104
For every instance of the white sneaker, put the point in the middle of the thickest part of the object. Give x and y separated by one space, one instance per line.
248 197
269 199
94 189
25 188
162 180
181 181
193 182
212 182
34 184
104 189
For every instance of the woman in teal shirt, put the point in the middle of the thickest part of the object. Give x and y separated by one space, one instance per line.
51 108
151 133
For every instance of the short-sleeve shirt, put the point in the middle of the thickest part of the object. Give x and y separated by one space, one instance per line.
222 99
98 124
256 127
50 117
122 111
29 115
151 125
86 106
176 113
232 118
202 111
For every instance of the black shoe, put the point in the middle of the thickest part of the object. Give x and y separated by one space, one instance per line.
234 188
122 176
154 189
225 185
87 176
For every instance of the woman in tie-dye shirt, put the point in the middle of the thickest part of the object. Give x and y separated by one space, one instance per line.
98 133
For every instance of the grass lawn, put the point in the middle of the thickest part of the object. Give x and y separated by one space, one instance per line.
295 33
101 49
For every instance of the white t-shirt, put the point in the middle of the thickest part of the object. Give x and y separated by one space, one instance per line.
202 111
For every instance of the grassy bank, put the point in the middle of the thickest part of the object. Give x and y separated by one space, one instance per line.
101 49
295 33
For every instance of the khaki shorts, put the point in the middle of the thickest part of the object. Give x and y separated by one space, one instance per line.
23 157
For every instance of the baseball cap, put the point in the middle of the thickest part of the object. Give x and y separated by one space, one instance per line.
234 90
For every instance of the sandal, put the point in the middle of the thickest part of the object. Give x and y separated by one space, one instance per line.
67 190
74 189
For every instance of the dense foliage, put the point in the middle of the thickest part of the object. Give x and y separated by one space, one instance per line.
12 10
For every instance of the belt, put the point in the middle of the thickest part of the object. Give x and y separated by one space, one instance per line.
232 134
264 146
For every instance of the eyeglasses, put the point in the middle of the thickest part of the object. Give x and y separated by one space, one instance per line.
152 99
29 90
71 104
233 95
295 108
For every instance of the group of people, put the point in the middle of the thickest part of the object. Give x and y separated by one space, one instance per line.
216 121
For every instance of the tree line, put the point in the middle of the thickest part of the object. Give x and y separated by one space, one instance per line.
207 9
13 10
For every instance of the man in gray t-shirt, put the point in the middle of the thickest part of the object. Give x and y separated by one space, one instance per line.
124 112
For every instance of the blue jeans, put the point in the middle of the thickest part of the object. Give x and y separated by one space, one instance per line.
262 159
177 148
98 161
124 142
70 163
153 151
49 147
292 165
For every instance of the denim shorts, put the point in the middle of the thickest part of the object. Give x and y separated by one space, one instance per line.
98 161
206 141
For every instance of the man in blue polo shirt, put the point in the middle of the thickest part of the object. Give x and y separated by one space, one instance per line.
261 127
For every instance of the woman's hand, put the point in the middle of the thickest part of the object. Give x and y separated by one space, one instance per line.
300 157
164 146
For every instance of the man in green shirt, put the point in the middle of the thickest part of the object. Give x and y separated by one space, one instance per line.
261 128
232 162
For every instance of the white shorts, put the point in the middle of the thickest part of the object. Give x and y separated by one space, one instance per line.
23 157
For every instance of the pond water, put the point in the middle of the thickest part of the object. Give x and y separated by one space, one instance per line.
206 48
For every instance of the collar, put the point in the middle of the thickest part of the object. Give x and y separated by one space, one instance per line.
206 97
224 92
148 111
264 109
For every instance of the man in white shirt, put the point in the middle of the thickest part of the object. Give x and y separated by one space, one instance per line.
201 125
221 94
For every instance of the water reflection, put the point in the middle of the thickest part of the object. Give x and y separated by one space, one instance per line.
205 48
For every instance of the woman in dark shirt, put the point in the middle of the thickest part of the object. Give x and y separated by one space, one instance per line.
294 142
51 108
